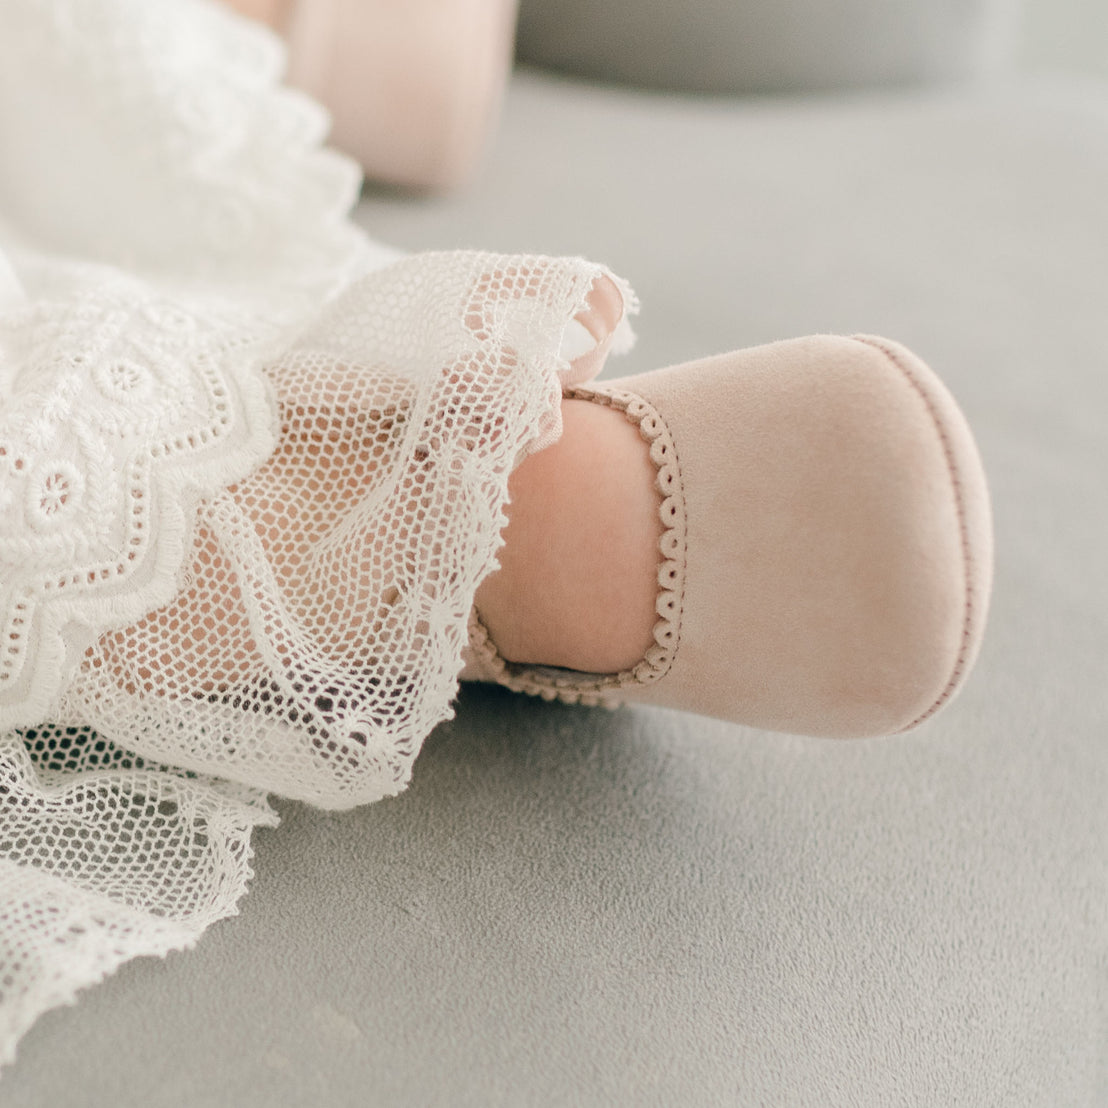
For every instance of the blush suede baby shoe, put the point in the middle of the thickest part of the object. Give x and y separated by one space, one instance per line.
827 555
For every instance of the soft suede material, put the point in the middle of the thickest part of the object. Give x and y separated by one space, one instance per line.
833 584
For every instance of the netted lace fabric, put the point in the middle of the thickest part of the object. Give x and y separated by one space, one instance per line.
318 628
252 470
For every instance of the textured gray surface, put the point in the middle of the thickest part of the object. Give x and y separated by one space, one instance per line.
575 907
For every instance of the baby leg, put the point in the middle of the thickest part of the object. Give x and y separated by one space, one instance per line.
413 86
578 582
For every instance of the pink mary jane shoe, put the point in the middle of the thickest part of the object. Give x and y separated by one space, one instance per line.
827 556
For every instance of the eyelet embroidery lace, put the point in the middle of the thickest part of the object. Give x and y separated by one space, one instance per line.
121 410
252 470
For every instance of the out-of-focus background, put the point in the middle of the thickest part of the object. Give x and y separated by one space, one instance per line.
790 45
1064 34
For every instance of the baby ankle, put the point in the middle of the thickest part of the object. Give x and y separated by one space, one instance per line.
578 583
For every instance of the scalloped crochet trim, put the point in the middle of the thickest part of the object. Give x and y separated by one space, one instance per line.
571 686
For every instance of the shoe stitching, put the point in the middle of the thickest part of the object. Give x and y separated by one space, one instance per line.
968 566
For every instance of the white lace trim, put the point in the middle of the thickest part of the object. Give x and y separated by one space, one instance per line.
136 861
312 659
250 479
122 409
155 136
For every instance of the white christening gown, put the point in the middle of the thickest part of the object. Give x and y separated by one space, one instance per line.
252 470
